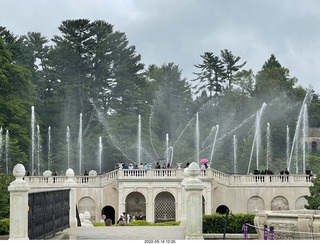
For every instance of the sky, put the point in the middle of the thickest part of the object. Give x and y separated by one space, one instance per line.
179 31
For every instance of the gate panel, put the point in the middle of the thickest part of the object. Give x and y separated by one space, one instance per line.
48 213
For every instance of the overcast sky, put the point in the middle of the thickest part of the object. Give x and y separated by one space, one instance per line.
180 31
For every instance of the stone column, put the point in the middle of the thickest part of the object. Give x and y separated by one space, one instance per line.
149 206
18 205
194 187
71 184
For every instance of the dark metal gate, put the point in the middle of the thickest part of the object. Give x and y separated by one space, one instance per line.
48 213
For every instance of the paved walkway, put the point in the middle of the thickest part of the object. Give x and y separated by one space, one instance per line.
122 233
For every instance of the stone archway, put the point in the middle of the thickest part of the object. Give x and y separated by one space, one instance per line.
136 204
222 209
279 203
254 203
109 212
300 202
165 207
88 204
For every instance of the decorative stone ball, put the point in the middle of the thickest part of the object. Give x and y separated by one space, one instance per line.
81 216
185 172
19 170
69 172
194 169
92 173
87 215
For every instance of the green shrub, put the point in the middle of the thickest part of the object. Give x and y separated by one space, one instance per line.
4 226
215 223
170 223
98 224
139 223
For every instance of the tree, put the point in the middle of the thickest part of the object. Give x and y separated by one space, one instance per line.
17 95
230 61
273 80
314 198
212 73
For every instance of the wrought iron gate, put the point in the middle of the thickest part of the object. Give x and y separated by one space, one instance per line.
48 213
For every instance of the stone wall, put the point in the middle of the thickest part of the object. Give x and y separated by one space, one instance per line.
290 224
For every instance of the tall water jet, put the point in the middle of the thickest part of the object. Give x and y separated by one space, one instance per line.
7 151
295 142
38 148
214 144
268 145
139 141
32 139
68 146
257 137
288 145
304 135
197 139
234 154
100 154
167 147
80 143
49 147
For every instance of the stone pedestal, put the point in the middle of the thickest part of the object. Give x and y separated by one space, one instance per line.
71 184
193 187
18 205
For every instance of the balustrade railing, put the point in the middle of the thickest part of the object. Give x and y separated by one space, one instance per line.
142 174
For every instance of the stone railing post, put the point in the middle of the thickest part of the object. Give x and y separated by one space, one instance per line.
71 184
18 205
194 187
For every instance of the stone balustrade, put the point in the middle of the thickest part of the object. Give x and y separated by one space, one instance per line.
170 174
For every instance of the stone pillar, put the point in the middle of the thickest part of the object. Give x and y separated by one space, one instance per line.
71 184
194 187
18 205
183 197
149 206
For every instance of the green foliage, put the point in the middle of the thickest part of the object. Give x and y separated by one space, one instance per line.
98 224
5 181
139 223
215 223
314 198
4 226
170 223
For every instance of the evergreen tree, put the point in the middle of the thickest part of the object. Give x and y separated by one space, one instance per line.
17 94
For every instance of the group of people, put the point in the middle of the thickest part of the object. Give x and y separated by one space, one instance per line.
123 219
135 166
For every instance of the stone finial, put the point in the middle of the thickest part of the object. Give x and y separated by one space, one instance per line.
19 171
70 173
87 222
92 173
194 169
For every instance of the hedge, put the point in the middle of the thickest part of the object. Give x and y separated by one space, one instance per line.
215 223
4 226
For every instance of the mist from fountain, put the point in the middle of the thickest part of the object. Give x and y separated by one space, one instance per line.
197 139
68 146
49 147
38 150
32 139
139 141
269 153
288 145
257 137
100 154
80 143
303 118
234 154
214 144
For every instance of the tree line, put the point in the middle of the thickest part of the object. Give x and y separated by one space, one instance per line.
91 69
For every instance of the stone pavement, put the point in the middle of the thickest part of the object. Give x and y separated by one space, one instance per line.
122 233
